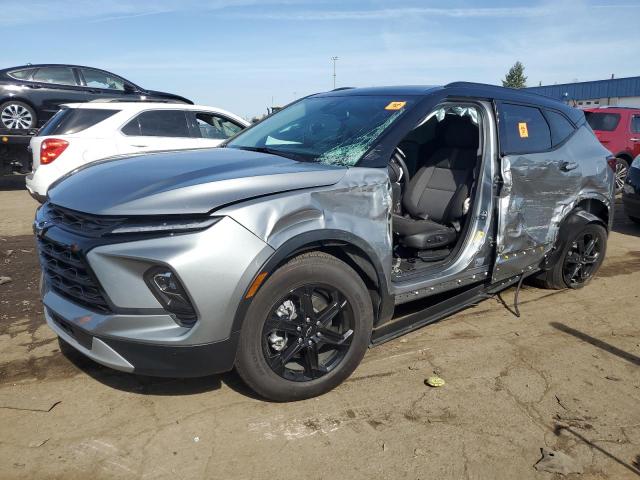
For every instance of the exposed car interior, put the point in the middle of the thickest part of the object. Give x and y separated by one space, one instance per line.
433 174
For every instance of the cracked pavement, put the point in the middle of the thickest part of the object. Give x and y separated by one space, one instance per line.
563 376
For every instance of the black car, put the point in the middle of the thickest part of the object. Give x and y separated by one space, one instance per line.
631 192
31 94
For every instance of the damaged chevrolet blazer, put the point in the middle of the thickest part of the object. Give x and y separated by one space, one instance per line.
342 221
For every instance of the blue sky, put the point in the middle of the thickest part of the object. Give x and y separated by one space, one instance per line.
239 54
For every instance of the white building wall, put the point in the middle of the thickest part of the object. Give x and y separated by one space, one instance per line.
609 102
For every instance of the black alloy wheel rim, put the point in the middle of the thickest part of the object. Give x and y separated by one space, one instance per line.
582 259
308 332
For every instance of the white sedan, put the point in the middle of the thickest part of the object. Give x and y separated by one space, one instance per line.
85 132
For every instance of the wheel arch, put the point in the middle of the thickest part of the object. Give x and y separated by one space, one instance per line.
4 100
584 213
625 155
597 208
343 245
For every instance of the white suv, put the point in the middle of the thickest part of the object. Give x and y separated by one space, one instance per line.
85 132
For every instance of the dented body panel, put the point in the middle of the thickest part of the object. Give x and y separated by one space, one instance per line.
359 204
538 192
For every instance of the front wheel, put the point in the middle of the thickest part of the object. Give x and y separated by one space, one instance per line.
580 258
306 330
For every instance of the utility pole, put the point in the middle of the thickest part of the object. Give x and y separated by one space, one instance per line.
334 71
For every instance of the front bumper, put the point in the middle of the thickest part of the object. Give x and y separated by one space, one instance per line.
135 333
147 359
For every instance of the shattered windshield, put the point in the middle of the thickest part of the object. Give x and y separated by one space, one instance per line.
334 130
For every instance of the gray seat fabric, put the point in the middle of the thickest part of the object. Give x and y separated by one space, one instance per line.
435 196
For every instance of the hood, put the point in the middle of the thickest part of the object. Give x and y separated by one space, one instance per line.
183 182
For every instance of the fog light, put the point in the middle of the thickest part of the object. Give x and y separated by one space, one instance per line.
166 287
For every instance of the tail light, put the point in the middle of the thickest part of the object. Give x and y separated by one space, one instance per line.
612 161
52 148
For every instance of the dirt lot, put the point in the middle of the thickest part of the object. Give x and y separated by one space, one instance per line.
563 376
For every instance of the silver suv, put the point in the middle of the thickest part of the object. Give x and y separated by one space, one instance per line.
342 221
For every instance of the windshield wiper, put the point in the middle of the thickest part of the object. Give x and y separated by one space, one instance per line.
271 151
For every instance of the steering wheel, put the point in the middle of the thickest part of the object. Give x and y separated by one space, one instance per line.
397 159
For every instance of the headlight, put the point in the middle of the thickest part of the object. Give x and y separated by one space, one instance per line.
173 225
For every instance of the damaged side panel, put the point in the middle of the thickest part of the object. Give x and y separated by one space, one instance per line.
539 191
359 204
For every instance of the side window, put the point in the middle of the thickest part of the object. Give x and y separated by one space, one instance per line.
561 128
22 74
158 123
59 75
523 130
97 79
635 124
216 127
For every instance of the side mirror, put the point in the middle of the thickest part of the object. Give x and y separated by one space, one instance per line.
128 88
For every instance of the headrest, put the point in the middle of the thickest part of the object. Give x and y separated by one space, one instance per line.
458 132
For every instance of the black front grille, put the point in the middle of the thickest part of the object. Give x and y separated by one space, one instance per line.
68 274
82 223
78 334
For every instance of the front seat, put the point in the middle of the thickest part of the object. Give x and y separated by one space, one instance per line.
435 196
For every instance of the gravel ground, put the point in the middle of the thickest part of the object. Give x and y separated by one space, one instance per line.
564 376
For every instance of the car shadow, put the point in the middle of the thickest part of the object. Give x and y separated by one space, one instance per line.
622 223
162 386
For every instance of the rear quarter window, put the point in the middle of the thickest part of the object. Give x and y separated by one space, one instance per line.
24 74
561 127
523 129
73 120
604 122
158 123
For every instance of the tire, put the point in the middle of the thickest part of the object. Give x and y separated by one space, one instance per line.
15 115
622 169
556 277
277 315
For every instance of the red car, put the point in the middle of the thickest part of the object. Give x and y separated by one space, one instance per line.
618 129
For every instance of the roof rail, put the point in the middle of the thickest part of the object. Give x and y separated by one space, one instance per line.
134 100
342 88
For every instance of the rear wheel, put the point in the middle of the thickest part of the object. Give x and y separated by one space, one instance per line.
622 169
16 115
580 259
306 330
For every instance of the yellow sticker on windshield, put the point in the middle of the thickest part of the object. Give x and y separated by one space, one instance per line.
395 105
524 132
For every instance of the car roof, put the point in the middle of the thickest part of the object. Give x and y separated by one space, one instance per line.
133 107
139 105
463 89
42 65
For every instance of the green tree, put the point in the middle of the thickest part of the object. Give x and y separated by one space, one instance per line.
515 78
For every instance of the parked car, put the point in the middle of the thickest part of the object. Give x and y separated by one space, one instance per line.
342 221
618 129
631 192
82 133
31 94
